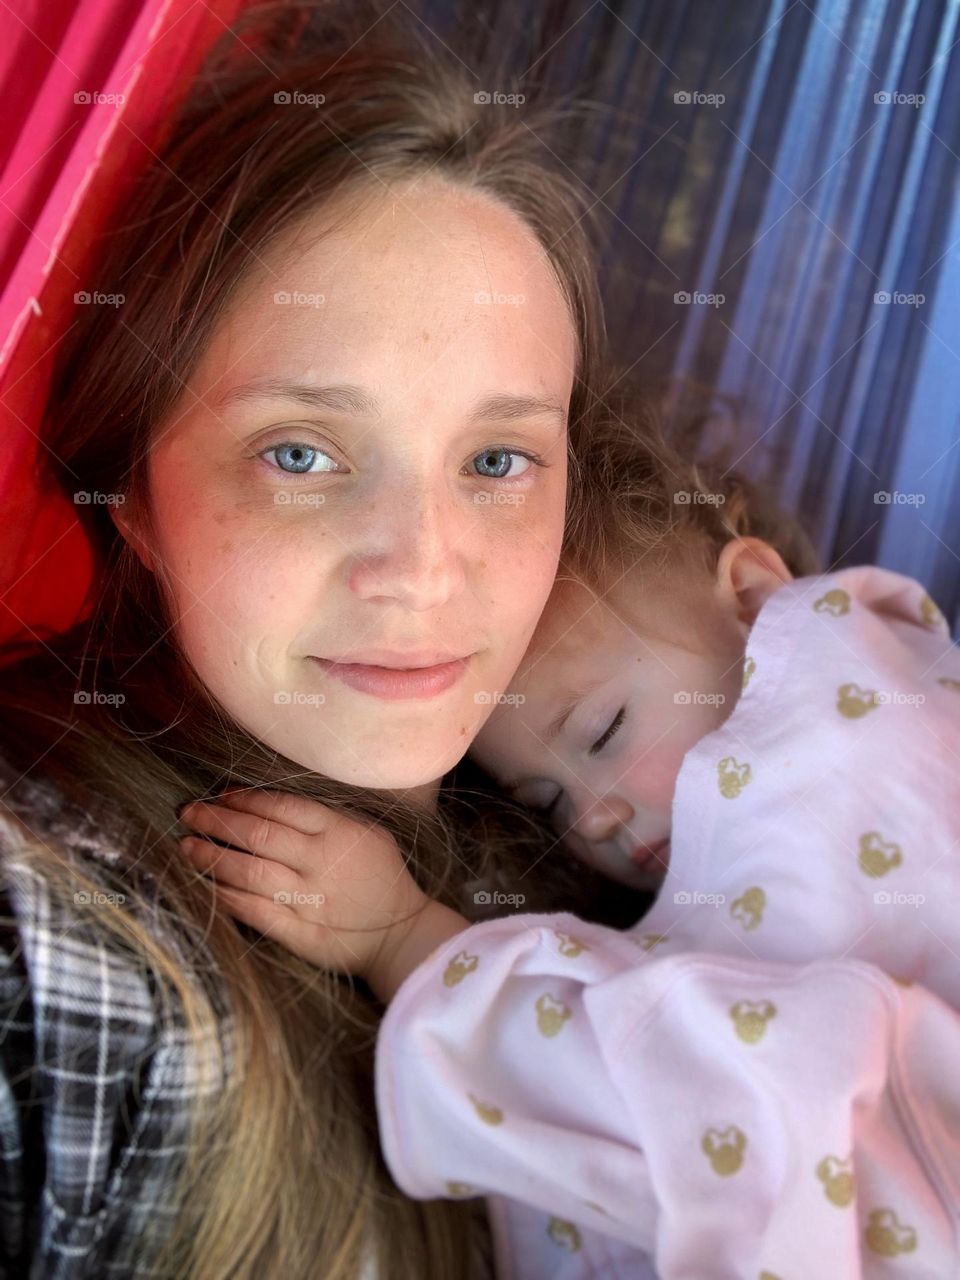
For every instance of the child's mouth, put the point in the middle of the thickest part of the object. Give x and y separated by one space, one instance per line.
646 855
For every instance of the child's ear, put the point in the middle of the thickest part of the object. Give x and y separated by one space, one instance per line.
749 570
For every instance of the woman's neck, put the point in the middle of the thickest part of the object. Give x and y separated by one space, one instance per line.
425 797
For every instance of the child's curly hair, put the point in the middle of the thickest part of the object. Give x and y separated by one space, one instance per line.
648 493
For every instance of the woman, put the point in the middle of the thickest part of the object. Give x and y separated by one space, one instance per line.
332 419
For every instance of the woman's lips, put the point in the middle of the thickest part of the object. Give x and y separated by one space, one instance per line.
394 683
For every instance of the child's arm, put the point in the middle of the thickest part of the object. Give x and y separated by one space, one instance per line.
727 1116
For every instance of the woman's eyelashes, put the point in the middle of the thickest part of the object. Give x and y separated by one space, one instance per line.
299 457
609 732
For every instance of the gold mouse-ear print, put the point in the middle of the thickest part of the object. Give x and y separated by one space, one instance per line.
878 856
569 945
458 968
749 907
488 1113
749 667
835 602
949 682
461 1190
930 613
732 777
650 940
750 1018
837 1178
854 702
886 1236
564 1234
724 1149
551 1014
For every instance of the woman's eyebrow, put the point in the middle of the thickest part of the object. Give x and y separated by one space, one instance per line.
349 399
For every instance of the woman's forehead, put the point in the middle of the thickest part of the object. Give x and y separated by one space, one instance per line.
413 296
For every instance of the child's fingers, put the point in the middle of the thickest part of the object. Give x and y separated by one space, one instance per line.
324 947
247 831
260 877
302 814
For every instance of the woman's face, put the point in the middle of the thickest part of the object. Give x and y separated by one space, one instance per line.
398 513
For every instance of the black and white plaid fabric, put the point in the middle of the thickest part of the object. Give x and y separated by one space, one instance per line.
95 1077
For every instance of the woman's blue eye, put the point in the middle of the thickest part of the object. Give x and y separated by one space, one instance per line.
608 733
297 458
301 457
499 460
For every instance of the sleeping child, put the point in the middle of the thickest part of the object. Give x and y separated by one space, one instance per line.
759 1078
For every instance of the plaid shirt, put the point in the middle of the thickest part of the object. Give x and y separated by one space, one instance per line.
94 1081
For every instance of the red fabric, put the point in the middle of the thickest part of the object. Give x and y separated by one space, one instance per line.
66 166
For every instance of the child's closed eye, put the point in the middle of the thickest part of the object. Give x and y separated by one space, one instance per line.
609 732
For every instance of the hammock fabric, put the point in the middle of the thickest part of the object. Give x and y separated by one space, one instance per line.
87 89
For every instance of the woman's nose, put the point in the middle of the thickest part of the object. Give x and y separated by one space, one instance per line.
411 551
600 817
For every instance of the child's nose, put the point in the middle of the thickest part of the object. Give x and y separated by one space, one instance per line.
600 817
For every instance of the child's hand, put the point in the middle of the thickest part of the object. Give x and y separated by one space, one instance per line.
330 888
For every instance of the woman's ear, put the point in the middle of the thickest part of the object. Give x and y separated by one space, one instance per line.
748 572
127 528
